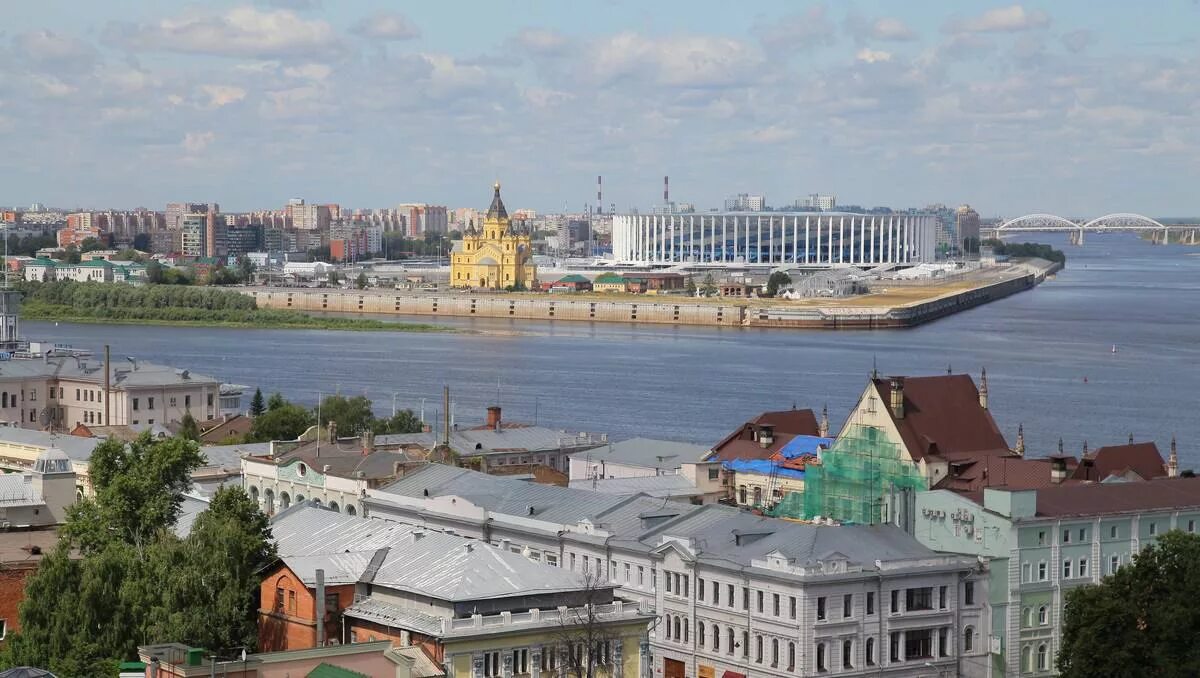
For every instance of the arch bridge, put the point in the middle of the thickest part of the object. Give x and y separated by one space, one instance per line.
1109 223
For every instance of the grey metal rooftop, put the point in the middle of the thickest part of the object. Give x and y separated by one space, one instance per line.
663 455
417 560
667 485
78 448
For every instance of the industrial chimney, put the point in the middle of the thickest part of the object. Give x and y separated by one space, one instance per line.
897 400
493 418
666 189
599 194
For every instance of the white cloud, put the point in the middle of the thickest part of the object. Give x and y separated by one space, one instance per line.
1011 19
680 61
222 95
50 86
319 72
873 56
239 32
889 28
195 142
806 30
1077 41
50 49
771 135
542 41
385 25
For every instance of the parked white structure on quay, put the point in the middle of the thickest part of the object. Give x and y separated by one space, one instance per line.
735 593
775 238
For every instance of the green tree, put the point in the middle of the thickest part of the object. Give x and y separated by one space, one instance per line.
778 279
333 278
404 421
188 428
1140 620
361 281
154 272
245 269
72 255
709 288
285 422
691 286
257 404
276 401
353 415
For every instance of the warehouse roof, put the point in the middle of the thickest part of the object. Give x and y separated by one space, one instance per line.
644 452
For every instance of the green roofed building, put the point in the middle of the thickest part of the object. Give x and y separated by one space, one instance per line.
610 282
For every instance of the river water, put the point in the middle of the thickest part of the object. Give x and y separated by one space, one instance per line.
1048 354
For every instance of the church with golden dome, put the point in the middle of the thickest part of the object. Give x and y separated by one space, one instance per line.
497 256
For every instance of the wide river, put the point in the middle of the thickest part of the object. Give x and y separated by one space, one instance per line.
1048 354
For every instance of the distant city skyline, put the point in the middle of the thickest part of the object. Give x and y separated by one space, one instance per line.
1074 108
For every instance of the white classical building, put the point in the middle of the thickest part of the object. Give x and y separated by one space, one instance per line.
735 594
773 238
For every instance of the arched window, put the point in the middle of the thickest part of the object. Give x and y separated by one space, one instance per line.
774 652
284 500
333 505
968 639
791 656
299 499
1027 617
1043 659
350 510
700 633
254 493
729 637
686 627
847 654
716 638
667 621
757 495
1025 665
821 657
758 649
870 651
317 502
270 501
677 636
1042 616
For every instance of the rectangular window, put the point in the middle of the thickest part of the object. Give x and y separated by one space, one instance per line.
77 395
187 401
33 394
1041 537
1067 536
491 664
150 402
792 607
918 598
894 646
1114 564
943 642
745 598
291 602
520 661
1026 572
552 559
686 592
572 561
653 578
667 577
612 572
210 399
331 603
1112 532
716 593
1082 534
714 473
1083 567
135 404
895 601
918 644
172 401
847 605
941 597
1066 569
870 602
760 601
969 593
729 591
775 604
1153 529
1042 571
641 575
821 608
1191 526
628 573
699 588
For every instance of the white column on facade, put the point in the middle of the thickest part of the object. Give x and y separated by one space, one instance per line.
747 245
862 239
671 236
890 239
691 235
874 249
829 242
795 237
851 248
735 238
758 244
806 232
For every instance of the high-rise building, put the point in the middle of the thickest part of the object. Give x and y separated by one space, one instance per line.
824 203
966 223
80 226
238 240
194 235
744 202
422 218
177 210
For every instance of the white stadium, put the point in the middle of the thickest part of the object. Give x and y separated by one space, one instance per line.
774 238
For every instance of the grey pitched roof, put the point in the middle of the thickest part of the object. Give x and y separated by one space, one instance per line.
189 509
372 610
442 566
14 491
122 375
504 495
510 439
667 485
77 448
645 452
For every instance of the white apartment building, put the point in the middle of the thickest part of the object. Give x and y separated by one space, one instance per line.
735 594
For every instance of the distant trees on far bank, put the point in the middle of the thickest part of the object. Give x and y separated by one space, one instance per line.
1027 249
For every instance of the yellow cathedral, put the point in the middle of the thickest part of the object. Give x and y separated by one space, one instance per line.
497 257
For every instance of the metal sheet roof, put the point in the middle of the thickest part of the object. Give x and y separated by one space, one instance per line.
668 485
443 566
644 452
372 610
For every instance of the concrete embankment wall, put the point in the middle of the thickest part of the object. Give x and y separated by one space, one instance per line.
651 310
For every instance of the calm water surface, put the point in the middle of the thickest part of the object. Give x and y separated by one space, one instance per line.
1047 352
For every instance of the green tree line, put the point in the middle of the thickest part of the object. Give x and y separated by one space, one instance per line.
283 420
120 577
1027 249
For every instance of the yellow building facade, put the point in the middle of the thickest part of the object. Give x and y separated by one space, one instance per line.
496 256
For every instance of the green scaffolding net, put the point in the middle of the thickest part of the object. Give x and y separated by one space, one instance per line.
855 479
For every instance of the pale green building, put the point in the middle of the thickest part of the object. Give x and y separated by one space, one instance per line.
1043 542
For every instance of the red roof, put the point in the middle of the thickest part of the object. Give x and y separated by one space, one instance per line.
973 473
1102 498
1141 458
942 417
743 442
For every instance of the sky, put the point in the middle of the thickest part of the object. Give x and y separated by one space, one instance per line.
1077 108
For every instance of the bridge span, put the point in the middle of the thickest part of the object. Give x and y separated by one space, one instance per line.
1109 223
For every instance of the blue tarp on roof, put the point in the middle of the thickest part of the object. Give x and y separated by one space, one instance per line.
761 466
801 445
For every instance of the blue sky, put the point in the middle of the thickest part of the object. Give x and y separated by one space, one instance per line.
1077 108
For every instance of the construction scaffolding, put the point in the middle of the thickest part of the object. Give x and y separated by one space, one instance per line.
860 480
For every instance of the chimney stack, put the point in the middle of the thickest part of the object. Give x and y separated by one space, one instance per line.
599 194
368 442
823 425
897 400
1058 469
666 190
446 415
320 605
493 418
983 389
1020 448
1173 461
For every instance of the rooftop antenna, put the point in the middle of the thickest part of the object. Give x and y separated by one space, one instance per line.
874 367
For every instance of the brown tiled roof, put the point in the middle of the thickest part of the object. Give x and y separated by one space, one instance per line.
1008 471
942 416
1143 459
787 425
1099 498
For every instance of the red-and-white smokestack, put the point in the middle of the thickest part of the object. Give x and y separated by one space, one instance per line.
666 189
599 193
